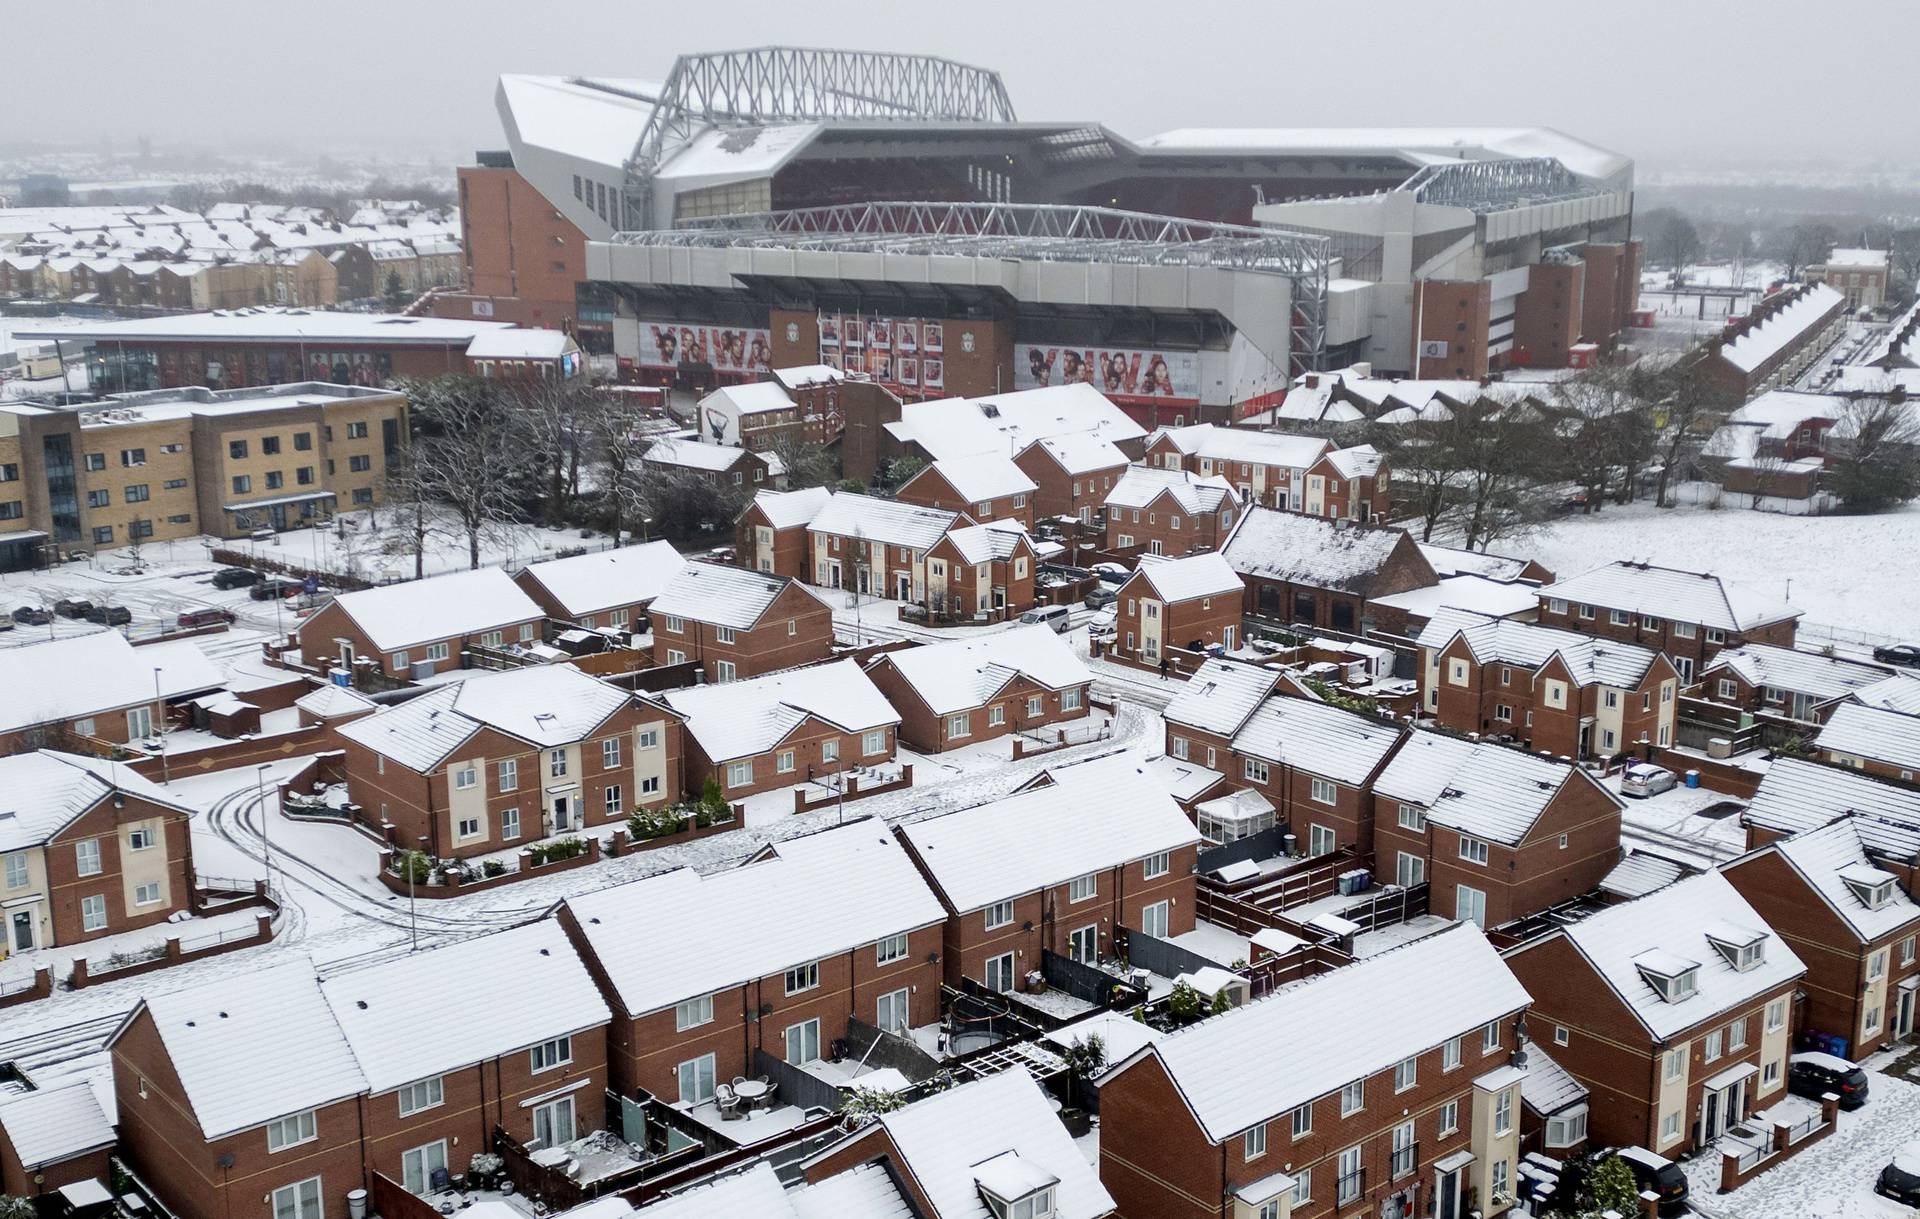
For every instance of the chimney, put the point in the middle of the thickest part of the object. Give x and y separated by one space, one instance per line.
1313 380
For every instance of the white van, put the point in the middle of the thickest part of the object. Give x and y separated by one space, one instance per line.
1054 616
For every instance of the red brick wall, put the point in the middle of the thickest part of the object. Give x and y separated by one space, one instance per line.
1546 318
1157 523
926 732
66 887
1455 313
805 742
518 245
930 489
797 629
1061 493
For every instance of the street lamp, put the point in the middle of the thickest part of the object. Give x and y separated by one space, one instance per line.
266 840
166 773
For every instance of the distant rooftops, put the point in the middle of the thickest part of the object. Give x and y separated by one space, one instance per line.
1667 592
274 325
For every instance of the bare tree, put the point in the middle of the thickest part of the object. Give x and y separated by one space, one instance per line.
1799 246
1426 473
553 414
1873 454
808 462
1498 445
1600 430
1685 413
619 476
470 457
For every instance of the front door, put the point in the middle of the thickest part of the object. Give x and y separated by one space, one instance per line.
1447 1194
1903 1006
903 586
21 938
1712 1116
866 581
562 814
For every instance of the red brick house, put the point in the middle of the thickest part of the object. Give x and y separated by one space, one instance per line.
1407 1104
982 573
715 981
737 624
1315 764
1169 512
1688 615
1266 468
507 758
770 534
950 695
1774 341
986 486
1170 606
1783 684
1073 473
733 470
1211 708
53 1137
1303 569
1797 794
608 589
1057 867
96 688
783 729
879 547
1873 740
421 627
1349 484
1508 569
1555 691
1497 833
1673 1010
89 849
1852 920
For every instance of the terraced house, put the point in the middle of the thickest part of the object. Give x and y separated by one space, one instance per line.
1315 764
1688 615
784 729
985 486
1266 468
1169 512
951 695
738 624
419 628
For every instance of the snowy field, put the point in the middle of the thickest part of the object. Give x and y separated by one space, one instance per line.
1857 573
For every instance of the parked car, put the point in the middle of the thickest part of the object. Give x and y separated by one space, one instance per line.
110 615
1054 616
1904 654
211 615
1646 779
235 577
32 615
1652 1171
1111 573
1814 1075
1100 598
71 607
6 622
1900 1180
274 586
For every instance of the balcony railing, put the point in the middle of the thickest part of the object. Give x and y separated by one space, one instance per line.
1350 1188
1405 1159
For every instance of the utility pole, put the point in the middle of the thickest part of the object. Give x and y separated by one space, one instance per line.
266 838
166 773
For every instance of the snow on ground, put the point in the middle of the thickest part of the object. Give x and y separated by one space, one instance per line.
1216 943
141 943
1832 1180
1679 818
1844 571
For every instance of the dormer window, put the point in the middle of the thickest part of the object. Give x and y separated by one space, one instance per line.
1742 947
1675 977
1873 886
1015 1188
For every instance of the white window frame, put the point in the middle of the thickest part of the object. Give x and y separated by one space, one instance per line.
303 1201
692 1013
891 948
1155 866
802 978
421 1095
292 1130
1083 888
704 1076
551 1055
1254 1142
999 914
86 857
1353 1097
147 894
93 912
1324 791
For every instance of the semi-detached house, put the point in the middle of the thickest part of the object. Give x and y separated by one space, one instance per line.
1205 715
788 728
1777 683
950 695
1873 740
1057 867
1390 1086
1688 615
990 571
985 486
1674 1010
1267 468
1315 764
1497 833
417 628
499 760
706 971
1169 512
737 624
1185 604
96 688
770 534
608 589
879 547
1072 472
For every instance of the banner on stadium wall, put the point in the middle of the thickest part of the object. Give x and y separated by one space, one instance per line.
907 353
1121 373
667 345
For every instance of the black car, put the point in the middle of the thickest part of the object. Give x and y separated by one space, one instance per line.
110 615
235 577
1655 1172
32 615
1900 1180
70 607
1815 1075
1099 598
1905 654
274 586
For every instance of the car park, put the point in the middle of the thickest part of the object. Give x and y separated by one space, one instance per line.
1900 1179
211 615
1814 1075
1646 779
1907 655
110 615
1656 1173
70 607
32 615
235 577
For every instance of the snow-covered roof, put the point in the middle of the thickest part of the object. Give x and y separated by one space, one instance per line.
1640 872
1008 423
593 583
1184 781
1360 461
330 701
718 595
993 540
397 616
1119 1033
1796 795
978 477
1183 579
1589 660
1846 257
1415 145
791 509
1488 791
42 793
953 1142
808 374
1243 445
1317 738
1859 731
1897 692
1141 485
517 344
739 719
1300 549
1093 816
693 455
1547 1088
579 118
867 518
1774 415
1667 592
263 325
865 1191
255 1045
400 1027
48 1127
1466 591
1081 452
544 705
1795 322
1826 858
1666 931
965 673
82 675
1766 664
1220 696
1353 1017
834 891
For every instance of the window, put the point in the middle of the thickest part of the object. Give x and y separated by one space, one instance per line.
1683 630
1503 1113
550 1054
1473 850
236 449
1737 1034
1255 1142
650 738
873 742
291 1131
1302 1186
1255 770
672 625
803 977
510 823
723 634
829 752
275 479
139 838
1669 1128
301 1200
999 972
1498 1180
692 1013
136 493
11 510
1716 636
1560 1034
1729 689
557 763
1620 617
357 431
133 457
102 534
1450 1055
1325 791
1490 1037
696 1077
1350 1186
175 484
1353 1097
1586 611
96 461
1907 950
147 894
510 775
999 914
464 778
1083 887
17 870
86 857
438 651
893 948
1180 748
803 1043
1413 817
424 1094
783 762
957 726
1877 966
892 1012
1321 840
1567 1129
610 752
650 786
1449 1118
1157 865
1404 1151
303 441
242 483
1470 905
613 800
1675 1066
553 1122
1770 1074
1300 1122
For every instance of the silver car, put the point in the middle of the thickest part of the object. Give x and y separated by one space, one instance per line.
1646 779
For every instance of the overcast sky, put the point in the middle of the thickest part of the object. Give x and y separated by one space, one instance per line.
1669 82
